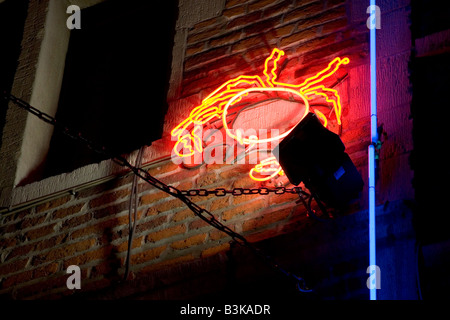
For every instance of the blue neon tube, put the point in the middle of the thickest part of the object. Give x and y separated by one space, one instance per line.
374 139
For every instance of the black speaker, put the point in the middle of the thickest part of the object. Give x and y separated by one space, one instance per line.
316 156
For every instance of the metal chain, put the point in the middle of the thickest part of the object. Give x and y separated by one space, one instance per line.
181 195
221 192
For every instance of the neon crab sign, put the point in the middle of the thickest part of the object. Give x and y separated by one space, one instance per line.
217 104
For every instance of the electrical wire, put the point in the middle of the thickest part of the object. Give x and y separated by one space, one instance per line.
132 225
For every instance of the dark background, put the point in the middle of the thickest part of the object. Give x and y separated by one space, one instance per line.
12 20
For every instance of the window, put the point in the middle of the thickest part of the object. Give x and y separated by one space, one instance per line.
115 81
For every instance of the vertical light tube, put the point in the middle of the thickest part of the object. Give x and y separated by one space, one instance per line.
374 139
372 229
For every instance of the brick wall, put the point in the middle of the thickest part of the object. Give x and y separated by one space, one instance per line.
175 254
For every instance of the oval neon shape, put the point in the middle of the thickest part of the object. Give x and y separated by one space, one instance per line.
246 91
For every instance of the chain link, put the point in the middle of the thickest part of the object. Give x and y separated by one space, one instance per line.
180 194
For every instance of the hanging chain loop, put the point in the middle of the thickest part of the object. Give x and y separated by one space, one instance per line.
180 194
